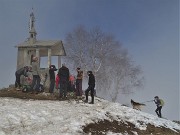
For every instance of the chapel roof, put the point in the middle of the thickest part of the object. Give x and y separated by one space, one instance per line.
56 46
39 43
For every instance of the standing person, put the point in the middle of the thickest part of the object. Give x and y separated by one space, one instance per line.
57 81
159 106
52 68
36 76
79 82
91 83
63 74
72 83
22 71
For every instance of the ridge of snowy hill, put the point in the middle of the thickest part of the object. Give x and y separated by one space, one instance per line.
38 117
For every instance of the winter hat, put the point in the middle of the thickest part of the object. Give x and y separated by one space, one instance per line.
64 64
89 72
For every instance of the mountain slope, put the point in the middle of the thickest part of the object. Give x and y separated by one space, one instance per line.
40 117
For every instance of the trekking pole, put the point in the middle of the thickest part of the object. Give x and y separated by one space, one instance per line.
148 101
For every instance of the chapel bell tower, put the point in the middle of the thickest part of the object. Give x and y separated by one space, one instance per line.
32 31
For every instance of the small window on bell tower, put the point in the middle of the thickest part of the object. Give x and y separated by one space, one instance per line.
31 35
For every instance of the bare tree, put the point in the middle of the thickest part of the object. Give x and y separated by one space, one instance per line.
100 52
126 76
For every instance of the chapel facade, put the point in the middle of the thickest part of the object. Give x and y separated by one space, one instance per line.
39 48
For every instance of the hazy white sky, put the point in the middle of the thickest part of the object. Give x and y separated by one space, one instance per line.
149 29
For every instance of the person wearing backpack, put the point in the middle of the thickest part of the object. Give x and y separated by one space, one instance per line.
159 103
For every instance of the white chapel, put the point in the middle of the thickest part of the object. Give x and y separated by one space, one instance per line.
40 48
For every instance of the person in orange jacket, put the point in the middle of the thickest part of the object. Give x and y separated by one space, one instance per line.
79 82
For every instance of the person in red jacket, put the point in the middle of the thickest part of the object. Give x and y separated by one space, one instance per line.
71 83
57 81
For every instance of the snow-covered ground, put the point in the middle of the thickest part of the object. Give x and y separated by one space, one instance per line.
35 117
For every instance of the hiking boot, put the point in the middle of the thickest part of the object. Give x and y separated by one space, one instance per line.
91 102
86 101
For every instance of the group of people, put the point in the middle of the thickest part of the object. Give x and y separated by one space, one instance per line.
63 81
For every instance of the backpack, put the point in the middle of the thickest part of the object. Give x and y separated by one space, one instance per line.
162 102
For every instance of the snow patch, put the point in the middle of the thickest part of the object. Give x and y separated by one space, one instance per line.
34 117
